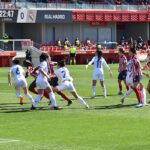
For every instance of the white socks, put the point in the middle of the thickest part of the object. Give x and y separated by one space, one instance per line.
93 90
104 90
83 102
143 96
37 99
128 93
52 99
29 97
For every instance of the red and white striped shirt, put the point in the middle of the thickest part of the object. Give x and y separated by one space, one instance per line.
33 72
51 67
122 63
134 67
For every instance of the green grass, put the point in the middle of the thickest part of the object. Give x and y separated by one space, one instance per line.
105 126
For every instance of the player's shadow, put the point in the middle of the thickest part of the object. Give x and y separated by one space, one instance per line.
21 110
114 106
98 96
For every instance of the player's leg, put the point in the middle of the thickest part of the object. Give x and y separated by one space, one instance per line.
59 88
120 87
126 94
27 94
52 98
127 86
72 90
148 87
143 92
94 81
81 100
37 98
32 87
119 83
54 83
18 95
103 88
24 87
138 94
17 89
101 78
93 87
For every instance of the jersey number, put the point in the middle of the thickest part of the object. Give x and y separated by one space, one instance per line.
64 74
99 64
17 71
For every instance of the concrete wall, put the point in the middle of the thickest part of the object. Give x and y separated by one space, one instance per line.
134 30
53 32
24 31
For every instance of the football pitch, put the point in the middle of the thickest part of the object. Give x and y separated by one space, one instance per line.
105 126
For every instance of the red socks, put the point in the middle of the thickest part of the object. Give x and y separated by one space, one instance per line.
120 87
138 94
127 87
63 96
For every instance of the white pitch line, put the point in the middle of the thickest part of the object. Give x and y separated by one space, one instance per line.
7 140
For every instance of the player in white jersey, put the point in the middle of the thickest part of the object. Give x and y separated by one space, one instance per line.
19 80
98 73
43 84
66 82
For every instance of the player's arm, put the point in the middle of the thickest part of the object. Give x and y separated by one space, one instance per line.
54 62
43 73
9 78
33 73
90 63
107 67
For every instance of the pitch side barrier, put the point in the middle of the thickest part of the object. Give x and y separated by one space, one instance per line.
15 44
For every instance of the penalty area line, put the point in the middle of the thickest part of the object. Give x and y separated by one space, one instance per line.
7 140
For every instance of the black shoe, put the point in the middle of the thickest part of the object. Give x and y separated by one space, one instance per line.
49 102
56 108
32 107
69 103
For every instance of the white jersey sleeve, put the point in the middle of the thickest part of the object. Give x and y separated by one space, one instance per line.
105 64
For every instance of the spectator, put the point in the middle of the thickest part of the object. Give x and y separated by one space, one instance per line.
59 43
28 55
5 41
66 42
88 43
98 46
77 42
140 42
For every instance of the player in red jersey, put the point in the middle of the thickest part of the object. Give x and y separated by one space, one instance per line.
134 75
122 70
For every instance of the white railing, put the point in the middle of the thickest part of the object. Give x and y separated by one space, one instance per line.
69 6
15 44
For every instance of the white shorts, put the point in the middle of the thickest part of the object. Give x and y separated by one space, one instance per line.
129 81
98 76
66 85
20 84
42 84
